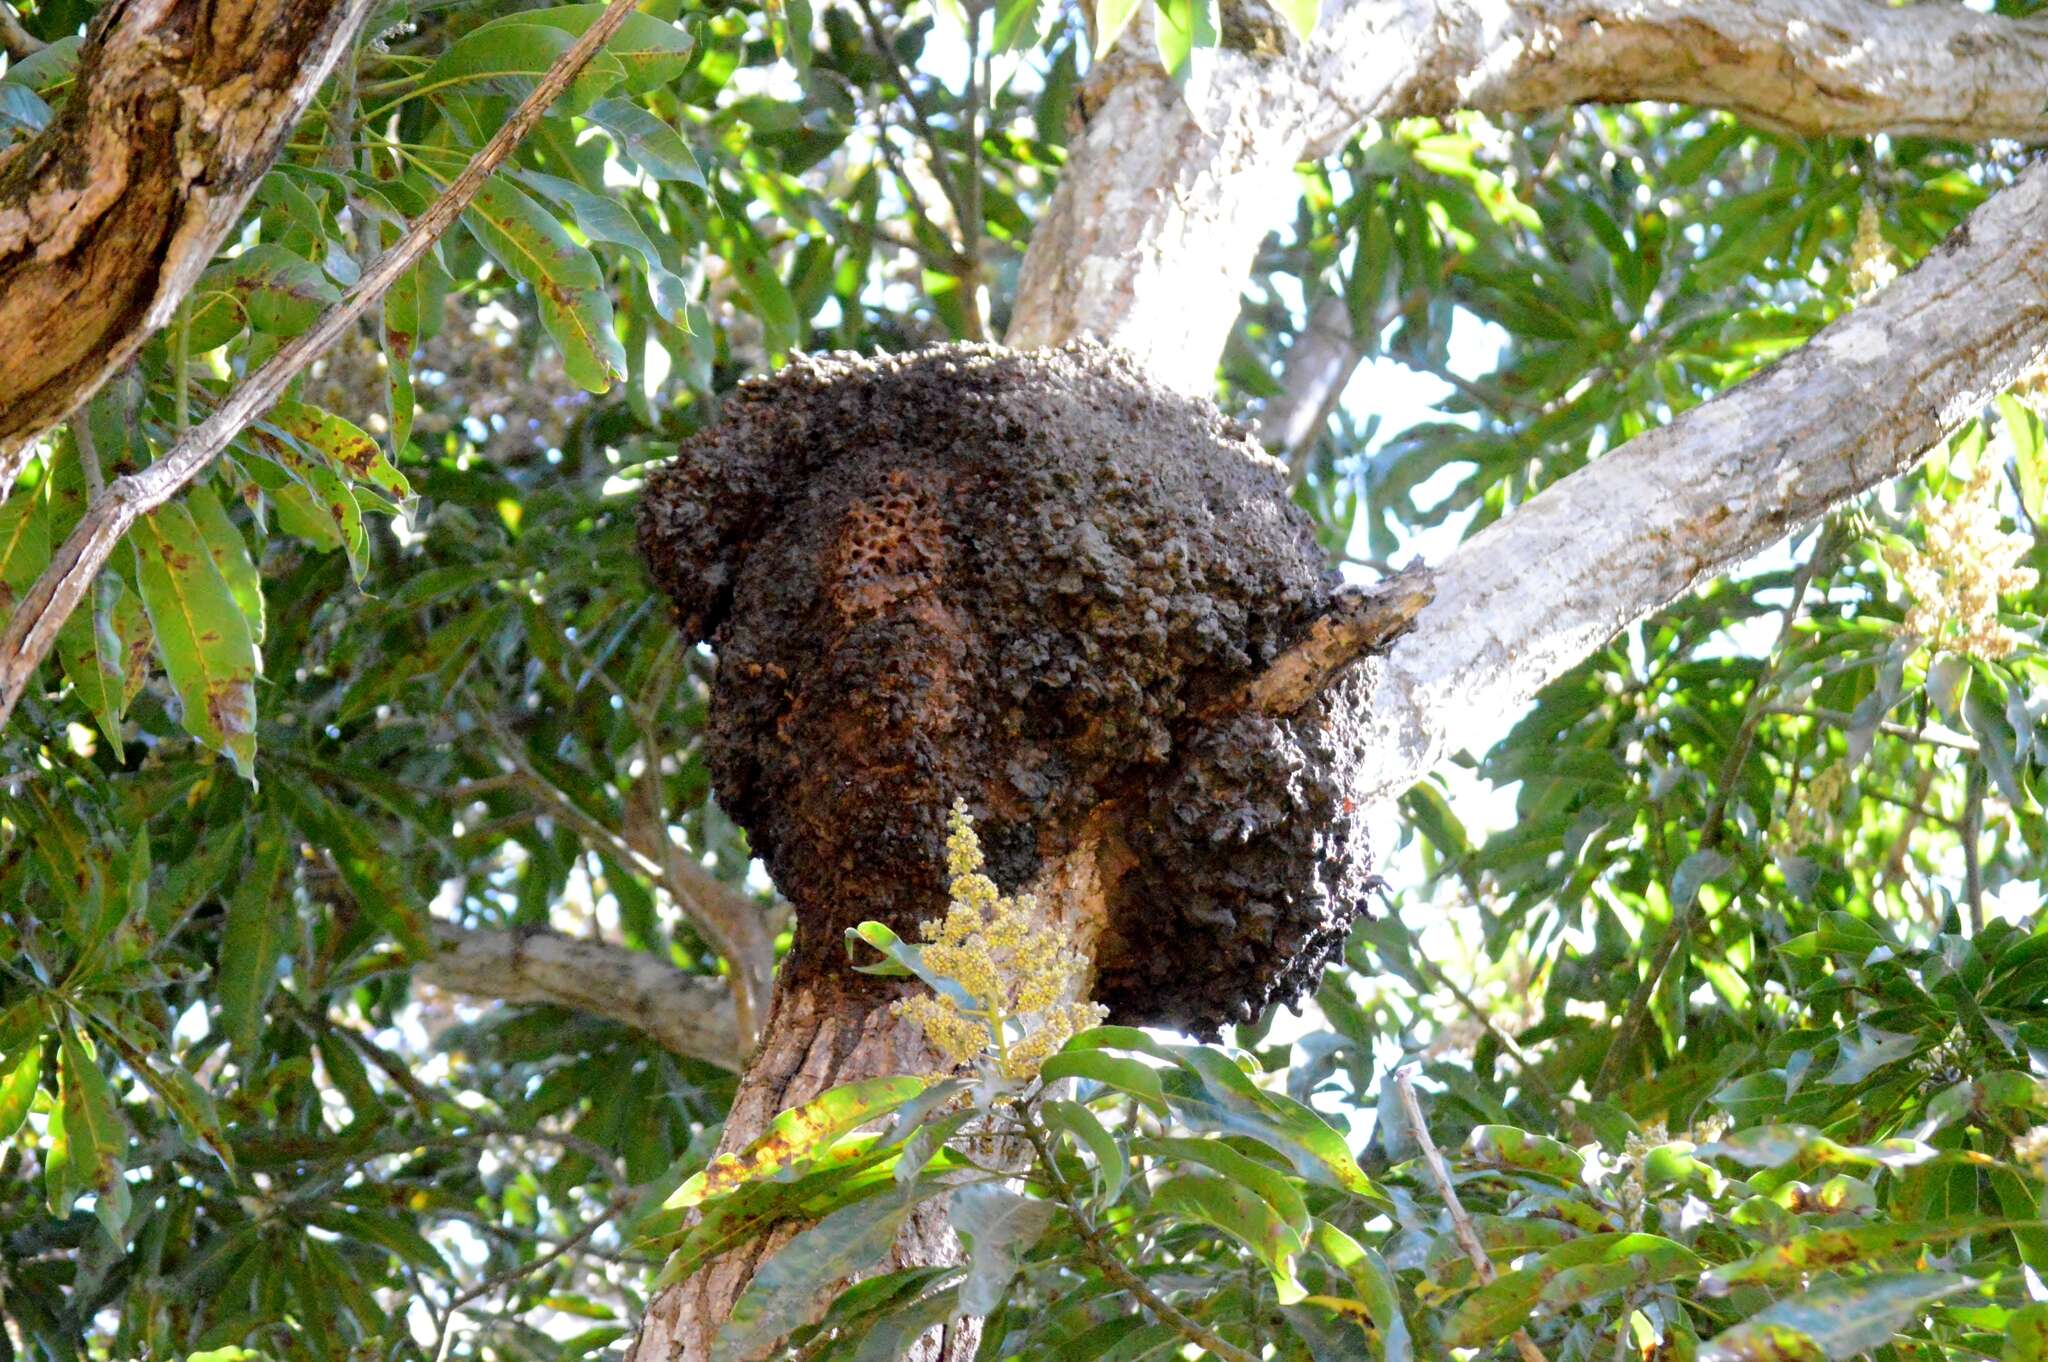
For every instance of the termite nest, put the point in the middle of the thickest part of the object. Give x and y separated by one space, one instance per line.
1032 580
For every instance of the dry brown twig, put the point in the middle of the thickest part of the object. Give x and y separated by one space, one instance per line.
1461 1222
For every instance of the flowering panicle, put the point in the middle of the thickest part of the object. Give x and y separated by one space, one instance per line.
1813 815
1870 260
1021 976
1964 564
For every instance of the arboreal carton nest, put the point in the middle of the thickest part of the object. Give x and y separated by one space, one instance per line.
1017 579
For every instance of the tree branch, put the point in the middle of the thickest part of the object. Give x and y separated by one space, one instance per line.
687 1014
1152 232
1526 598
109 215
42 612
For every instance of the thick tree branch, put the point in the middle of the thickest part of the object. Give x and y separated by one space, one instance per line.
1529 596
1149 239
108 216
688 1014
33 629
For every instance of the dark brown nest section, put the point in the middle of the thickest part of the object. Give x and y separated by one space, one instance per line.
1015 578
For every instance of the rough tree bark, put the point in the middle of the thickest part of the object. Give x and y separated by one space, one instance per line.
1151 234
109 215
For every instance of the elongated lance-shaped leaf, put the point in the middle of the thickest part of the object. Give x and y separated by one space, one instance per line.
96 1138
508 57
1834 1322
202 635
230 553
350 451
794 1288
801 1133
651 52
258 918
1000 1226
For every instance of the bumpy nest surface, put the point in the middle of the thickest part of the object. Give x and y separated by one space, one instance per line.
1010 578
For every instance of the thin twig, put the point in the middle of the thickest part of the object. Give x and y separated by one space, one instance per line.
1461 1223
88 457
1113 1266
1638 1011
1934 735
18 41
1973 835
33 629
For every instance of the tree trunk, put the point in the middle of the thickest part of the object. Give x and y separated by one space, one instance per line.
108 217
825 1031
1150 237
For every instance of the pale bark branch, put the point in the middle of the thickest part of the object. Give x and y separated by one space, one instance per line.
1532 594
687 1014
1150 237
33 629
1312 377
109 215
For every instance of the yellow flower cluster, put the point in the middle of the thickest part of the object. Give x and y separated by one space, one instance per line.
1870 260
1964 565
1021 976
1812 815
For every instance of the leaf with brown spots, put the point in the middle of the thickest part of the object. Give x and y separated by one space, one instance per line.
311 500
202 635
346 447
799 1134
1834 1322
564 276
1818 1249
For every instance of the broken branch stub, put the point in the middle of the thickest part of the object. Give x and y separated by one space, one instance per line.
1045 584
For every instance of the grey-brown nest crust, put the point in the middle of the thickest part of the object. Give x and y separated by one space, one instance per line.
1012 577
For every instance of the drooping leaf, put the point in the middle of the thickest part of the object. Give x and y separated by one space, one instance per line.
1833 1322
201 634
792 1288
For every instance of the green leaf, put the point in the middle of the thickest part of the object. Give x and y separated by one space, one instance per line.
280 292
95 658
794 1287
802 1133
1505 1304
201 634
351 452
1835 1322
96 1137
905 959
258 918
1184 29
2026 1335
1271 1186
605 219
311 502
230 554
507 56
651 52
1112 17
1372 1281
564 276
24 545
1000 1226
2028 436
1815 1250
1112 1165
1299 14
648 142
1869 1050
1238 1212
1509 1147
527 240
18 1090
580 321
1111 1071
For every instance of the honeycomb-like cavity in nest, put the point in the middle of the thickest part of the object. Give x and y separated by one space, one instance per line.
1013 578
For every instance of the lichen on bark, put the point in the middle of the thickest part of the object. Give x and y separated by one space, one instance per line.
1014 578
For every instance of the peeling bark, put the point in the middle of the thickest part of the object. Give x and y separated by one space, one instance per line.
687 1014
108 217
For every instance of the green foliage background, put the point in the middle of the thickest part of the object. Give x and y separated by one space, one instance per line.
392 667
